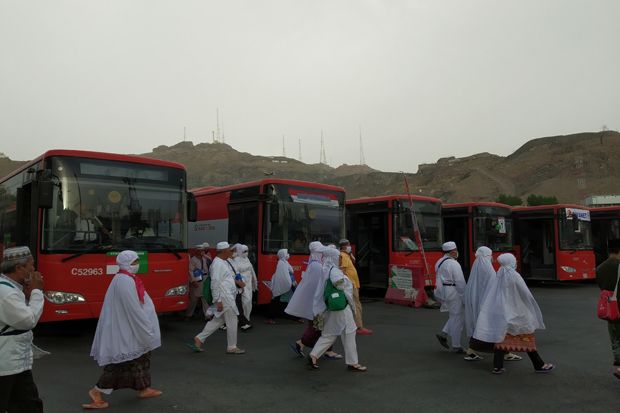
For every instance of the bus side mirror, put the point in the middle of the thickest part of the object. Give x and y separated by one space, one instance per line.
192 207
45 194
274 213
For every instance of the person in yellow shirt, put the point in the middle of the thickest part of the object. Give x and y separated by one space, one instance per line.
347 265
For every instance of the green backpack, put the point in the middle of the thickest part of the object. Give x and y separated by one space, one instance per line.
206 290
335 299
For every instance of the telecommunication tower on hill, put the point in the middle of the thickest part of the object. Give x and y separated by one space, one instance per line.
283 147
323 158
299 150
362 158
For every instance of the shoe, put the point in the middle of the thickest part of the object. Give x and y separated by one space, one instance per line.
235 350
472 357
364 331
442 340
498 371
223 328
246 327
512 357
547 368
357 368
297 349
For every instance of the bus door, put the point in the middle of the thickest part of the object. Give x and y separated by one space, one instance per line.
455 228
537 241
371 240
243 227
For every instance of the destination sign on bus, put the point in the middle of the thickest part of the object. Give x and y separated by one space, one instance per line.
580 214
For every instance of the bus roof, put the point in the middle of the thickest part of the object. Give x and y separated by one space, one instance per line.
555 207
475 204
96 155
383 198
217 189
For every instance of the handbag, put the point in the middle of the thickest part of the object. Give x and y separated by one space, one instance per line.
206 290
608 303
334 298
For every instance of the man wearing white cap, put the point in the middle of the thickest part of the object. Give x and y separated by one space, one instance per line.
224 289
450 288
21 305
198 271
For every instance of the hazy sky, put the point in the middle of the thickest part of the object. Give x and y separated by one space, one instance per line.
423 79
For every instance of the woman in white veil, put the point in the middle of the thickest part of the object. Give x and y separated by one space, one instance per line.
282 286
245 268
509 317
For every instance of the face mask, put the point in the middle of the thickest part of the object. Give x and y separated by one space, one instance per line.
134 268
244 255
348 249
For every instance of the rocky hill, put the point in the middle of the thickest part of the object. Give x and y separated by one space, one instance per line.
569 167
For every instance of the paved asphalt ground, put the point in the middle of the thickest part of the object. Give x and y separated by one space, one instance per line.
408 370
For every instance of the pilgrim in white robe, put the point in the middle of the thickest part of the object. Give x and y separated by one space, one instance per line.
481 273
450 290
245 268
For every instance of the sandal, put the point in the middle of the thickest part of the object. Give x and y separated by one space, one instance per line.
498 371
311 363
336 356
473 357
235 350
357 368
546 368
512 357
297 349
194 347
97 401
148 393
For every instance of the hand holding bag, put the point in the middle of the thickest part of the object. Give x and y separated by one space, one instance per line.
608 303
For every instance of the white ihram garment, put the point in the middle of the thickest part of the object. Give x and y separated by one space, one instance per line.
481 272
301 304
281 280
245 268
450 290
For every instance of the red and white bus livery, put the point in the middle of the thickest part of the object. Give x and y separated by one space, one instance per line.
382 231
555 242
77 210
269 215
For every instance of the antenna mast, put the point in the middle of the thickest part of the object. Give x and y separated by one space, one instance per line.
184 134
283 147
323 158
299 149
217 120
362 158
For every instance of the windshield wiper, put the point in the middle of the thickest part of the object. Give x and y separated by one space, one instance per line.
80 253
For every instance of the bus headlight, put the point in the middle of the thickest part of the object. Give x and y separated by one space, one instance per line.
568 269
59 297
180 290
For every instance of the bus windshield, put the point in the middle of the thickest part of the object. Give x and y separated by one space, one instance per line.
492 228
575 229
428 215
296 216
110 205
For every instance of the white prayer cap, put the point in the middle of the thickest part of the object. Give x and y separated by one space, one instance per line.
16 254
222 245
508 261
203 246
316 246
125 258
282 253
448 246
484 252
344 241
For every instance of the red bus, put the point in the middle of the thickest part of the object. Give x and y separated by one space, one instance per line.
382 230
476 224
605 227
555 242
268 215
77 210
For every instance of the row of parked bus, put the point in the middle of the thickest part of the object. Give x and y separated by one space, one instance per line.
76 210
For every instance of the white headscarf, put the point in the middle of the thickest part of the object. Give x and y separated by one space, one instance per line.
125 258
481 272
243 264
281 280
508 306
331 257
301 304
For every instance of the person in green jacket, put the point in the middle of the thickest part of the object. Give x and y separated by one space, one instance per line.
607 277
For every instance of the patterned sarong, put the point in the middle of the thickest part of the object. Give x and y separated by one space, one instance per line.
521 342
133 374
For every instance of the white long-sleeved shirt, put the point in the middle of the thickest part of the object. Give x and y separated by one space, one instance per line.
450 272
16 350
223 285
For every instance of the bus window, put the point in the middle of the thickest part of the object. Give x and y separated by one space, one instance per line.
575 232
428 215
493 229
106 204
